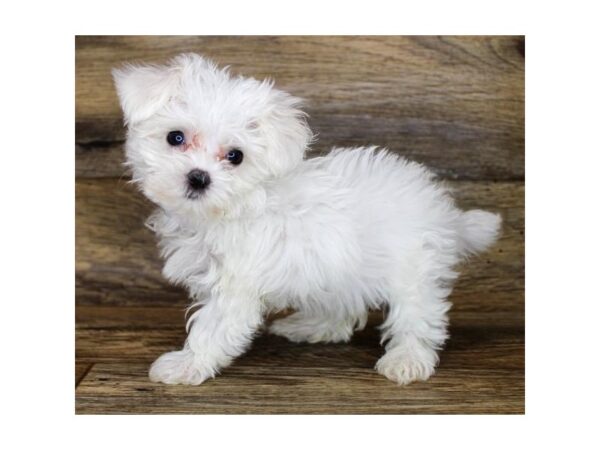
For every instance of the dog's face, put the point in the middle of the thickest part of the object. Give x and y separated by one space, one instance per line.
200 139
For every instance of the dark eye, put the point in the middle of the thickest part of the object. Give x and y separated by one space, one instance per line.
176 138
235 156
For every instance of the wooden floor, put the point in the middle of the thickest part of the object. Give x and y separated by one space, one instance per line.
453 103
481 371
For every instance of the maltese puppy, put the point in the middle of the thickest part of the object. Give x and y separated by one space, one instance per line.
249 226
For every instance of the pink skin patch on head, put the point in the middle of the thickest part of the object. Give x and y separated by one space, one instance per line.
194 143
220 155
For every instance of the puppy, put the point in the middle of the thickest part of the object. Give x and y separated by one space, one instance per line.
249 226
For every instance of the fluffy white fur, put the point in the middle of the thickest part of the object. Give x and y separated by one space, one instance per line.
330 237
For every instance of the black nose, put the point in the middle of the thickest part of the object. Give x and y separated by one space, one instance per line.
198 179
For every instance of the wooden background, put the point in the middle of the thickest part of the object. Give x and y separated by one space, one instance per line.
454 103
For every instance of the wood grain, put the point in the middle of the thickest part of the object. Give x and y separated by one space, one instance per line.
81 370
481 371
454 103
99 340
117 388
109 317
117 261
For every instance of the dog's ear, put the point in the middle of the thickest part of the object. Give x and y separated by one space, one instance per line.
287 133
144 89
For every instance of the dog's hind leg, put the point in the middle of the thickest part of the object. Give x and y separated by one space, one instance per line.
415 327
318 327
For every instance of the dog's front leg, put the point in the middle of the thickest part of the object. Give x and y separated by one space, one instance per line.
220 331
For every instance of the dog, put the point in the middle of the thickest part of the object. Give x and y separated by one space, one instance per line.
249 226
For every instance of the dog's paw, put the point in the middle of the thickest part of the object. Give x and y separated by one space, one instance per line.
178 368
404 367
299 328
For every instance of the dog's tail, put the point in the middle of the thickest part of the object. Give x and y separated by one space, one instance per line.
478 230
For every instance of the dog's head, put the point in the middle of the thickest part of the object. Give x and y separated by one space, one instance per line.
200 139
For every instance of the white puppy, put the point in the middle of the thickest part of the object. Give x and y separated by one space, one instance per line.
249 226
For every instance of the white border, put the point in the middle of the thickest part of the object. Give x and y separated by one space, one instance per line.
562 223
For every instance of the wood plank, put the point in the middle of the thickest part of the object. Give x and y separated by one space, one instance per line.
481 371
483 346
117 261
128 317
454 103
113 388
139 318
